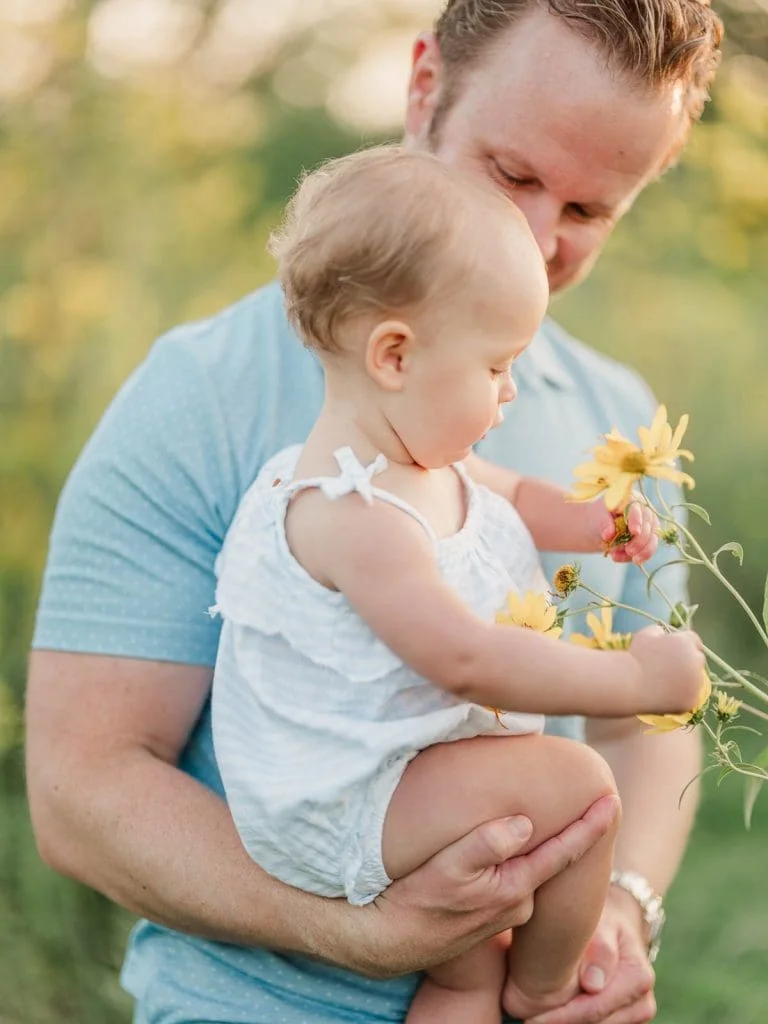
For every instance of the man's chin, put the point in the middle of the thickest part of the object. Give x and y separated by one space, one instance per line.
562 278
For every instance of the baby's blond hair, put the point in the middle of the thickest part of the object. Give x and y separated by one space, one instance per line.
380 231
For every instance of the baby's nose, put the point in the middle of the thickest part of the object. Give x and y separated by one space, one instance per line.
508 391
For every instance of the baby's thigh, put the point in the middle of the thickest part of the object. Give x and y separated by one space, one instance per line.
451 788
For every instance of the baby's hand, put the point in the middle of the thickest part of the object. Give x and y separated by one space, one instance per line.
672 666
628 536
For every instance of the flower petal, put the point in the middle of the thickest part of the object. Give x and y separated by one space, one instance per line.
680 430
606 614
588 470
658 424
594 624
586 491
583 641
620 490
548 618
664 723
675 475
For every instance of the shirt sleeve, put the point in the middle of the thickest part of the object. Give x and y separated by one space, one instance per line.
140 521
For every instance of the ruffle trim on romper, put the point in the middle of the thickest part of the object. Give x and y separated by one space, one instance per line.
261 585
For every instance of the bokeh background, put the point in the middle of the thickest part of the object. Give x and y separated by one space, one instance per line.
146 147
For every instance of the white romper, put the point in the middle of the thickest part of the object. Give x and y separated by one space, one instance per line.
314 719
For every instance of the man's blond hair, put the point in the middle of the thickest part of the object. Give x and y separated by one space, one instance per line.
381 231
655 42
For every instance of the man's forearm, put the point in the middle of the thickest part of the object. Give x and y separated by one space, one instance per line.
165 847
651 773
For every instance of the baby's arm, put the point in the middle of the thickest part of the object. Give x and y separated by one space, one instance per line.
557 524
384 564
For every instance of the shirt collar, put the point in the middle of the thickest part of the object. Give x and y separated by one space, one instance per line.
541 364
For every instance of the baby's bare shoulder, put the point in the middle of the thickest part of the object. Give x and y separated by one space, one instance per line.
324 534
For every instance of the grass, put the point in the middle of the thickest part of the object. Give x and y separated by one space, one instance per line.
714 964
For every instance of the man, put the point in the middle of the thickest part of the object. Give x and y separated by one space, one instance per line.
571 109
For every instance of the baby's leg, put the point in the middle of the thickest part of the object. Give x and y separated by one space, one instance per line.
451 788
467 990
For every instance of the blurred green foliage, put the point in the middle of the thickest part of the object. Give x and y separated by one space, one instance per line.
130 201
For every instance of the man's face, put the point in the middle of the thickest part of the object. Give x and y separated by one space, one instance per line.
569 141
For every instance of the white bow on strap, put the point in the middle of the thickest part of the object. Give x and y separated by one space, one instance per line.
354 477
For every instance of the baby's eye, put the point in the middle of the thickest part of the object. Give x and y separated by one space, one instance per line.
500 372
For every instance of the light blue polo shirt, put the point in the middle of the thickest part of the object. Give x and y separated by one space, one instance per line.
130 573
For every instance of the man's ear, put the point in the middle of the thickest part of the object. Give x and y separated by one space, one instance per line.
424 85
389 353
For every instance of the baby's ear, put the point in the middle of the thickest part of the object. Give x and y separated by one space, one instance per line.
389 353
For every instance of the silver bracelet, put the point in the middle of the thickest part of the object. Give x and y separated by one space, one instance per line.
650 903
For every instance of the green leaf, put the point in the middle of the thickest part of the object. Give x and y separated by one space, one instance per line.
682 615
753 786
734 547
697 511
765 604
751 793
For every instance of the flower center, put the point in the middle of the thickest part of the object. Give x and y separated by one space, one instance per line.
635 462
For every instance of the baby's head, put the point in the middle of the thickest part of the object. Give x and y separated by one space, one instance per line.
418 286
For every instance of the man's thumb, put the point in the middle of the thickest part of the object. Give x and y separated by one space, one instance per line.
493 843
598 964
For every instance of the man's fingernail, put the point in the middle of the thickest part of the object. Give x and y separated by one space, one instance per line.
594 978
521 828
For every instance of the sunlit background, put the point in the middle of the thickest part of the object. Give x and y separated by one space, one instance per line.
146 147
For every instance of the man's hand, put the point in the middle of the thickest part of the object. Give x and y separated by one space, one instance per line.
473 889
615 974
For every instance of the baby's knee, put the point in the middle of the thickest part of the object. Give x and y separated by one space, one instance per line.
586 771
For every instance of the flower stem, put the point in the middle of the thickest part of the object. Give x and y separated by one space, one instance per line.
742 680
754 711
711 565
747 684
625 607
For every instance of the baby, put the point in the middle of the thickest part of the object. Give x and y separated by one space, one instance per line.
367 709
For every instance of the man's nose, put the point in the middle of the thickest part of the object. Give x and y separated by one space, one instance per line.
543 212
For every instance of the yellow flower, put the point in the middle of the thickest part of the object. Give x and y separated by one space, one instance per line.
594 481
668 723
603 638
532 612
618 464
566 580
726 707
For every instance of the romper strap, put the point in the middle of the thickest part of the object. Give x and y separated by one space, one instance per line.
354 476
463 475
392 499
358 479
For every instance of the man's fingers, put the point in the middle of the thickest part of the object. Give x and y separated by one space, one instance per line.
640 1012
491 844
559 852
643 1011
598 963
586 1009
630 1001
